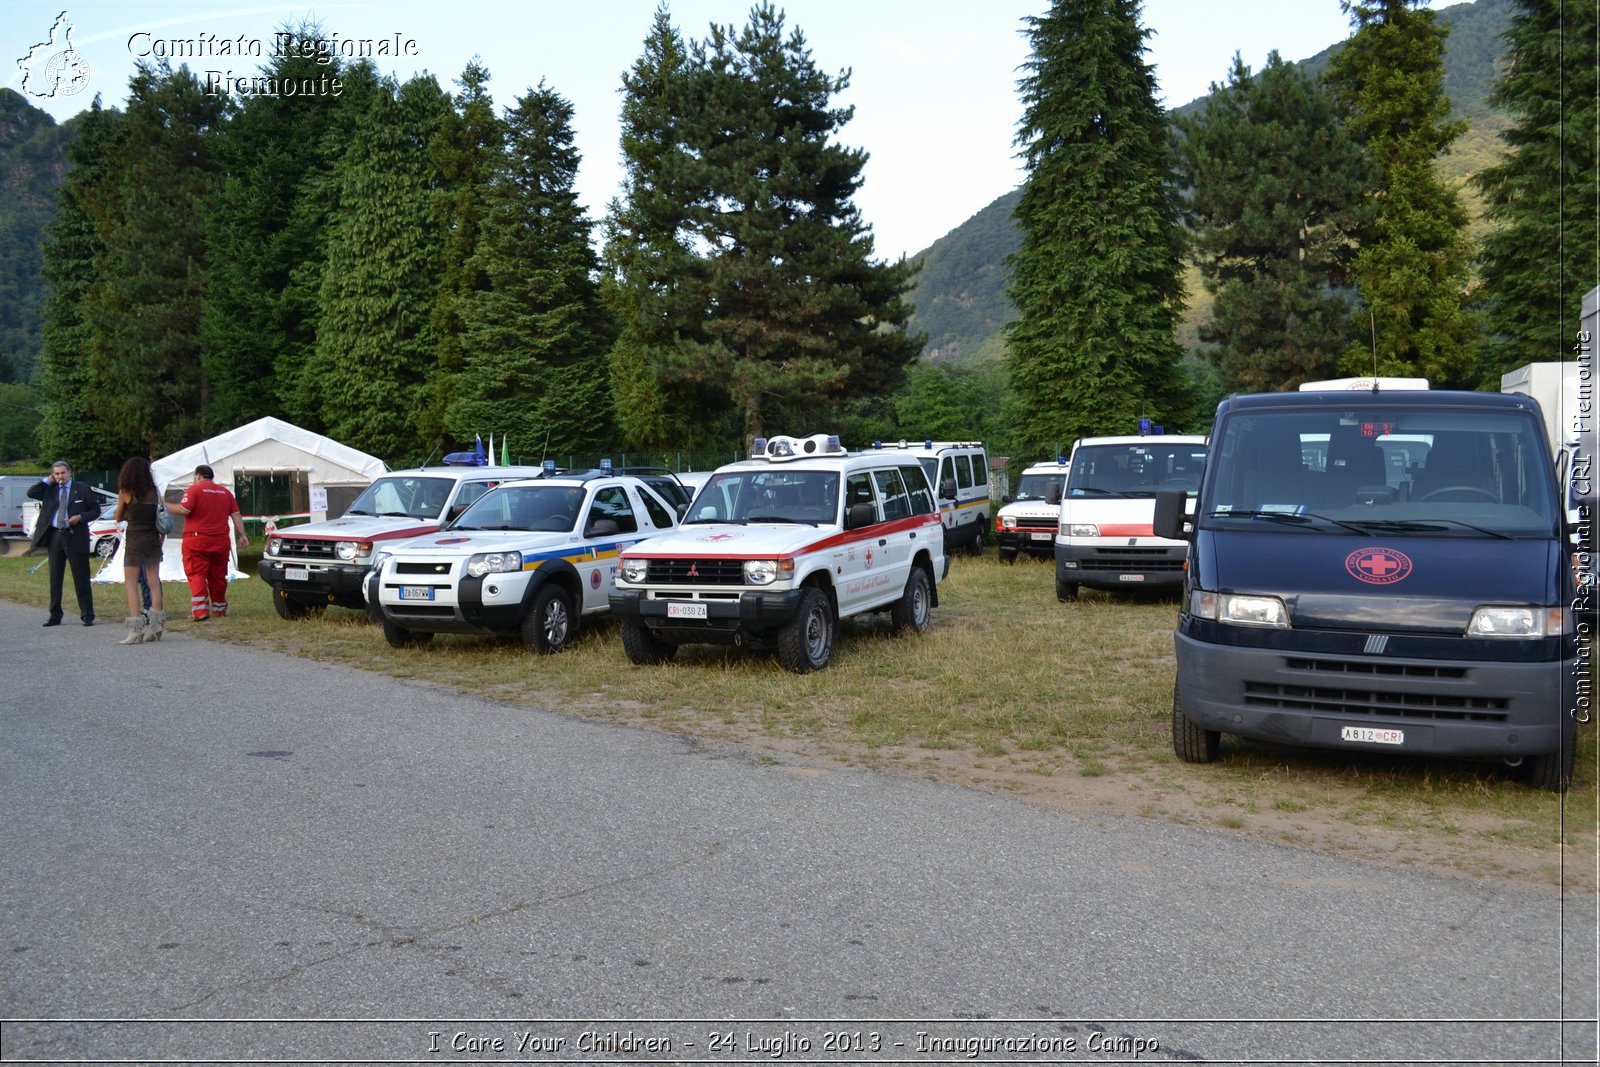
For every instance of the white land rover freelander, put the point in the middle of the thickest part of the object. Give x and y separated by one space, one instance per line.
309 567
775 550
528 558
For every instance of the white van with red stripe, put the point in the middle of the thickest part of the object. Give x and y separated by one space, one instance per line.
1104 536
777 549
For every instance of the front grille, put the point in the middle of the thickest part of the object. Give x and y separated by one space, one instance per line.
697 571
1376 668
1047 522
1132 559
1339 701
304 548
402 567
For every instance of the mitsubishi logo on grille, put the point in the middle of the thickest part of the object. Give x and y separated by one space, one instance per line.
694 571
1376 644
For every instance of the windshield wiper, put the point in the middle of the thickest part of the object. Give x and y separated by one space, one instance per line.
394 515
353 511
1290 518
1094 489
720 522
781 518
1430 526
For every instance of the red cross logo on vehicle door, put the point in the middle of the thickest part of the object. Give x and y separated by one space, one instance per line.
1378 566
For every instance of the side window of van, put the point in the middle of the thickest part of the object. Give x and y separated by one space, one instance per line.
963 472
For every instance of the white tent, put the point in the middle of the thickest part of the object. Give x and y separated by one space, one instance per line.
265 447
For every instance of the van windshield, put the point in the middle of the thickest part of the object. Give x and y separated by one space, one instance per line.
1424 471
1135 470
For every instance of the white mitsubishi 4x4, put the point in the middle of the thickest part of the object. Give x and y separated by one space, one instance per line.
527 558
775 550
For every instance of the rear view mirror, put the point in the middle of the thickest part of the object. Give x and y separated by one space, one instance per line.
860 515
1169 516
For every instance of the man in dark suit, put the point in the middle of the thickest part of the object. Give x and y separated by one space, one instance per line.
67 507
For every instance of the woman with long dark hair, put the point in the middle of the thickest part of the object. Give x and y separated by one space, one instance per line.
141 549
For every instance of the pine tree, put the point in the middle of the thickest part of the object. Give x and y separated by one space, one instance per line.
375 339
1412 267
273 146
1274 177
467 151
72 426
1097 278
536 336
785 312
143 310
1539 261
656 285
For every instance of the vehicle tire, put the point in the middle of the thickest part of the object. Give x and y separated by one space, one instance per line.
913 612
288 608
400 637
550 624
644 648
106 547
1190 742
1066 591
806 643
1007 555
975 546
374 613
1552 771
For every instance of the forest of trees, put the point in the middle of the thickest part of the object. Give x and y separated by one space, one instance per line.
403 267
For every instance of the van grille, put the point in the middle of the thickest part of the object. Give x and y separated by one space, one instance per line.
1338 701
696 571
1132 559
1392 670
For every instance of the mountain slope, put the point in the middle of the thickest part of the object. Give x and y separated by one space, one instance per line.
960 297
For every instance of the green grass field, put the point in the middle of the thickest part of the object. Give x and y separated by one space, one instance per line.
1067 705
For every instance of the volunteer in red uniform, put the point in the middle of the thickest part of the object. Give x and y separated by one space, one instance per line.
209 509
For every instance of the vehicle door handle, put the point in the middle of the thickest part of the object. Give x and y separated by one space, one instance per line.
883 541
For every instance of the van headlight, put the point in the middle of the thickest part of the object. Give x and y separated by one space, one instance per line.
1517 622
348 550
1239 609
1082 529
635 570
493 563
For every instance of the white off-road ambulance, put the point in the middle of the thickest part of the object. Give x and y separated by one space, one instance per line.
777 549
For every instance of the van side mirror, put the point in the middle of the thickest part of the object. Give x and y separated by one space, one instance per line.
602 528
1171 504
947 489
1052 494
860 515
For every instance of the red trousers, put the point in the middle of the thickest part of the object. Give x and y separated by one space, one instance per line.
205 562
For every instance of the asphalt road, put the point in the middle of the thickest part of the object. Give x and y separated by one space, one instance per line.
215 853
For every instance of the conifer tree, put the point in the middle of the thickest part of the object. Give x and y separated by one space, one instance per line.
375 338
1412 266
786 309
1274 178
537 337
1540 259
143 310
1097 278
656 285
467 151
274 147
72 425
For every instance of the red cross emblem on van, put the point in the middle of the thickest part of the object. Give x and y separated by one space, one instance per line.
1378 566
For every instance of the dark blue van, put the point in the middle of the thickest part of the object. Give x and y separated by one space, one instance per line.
1379 570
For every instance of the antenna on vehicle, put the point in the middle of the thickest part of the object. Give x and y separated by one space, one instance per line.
1373 317
429 459
544 452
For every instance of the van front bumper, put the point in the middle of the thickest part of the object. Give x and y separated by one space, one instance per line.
1438 707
